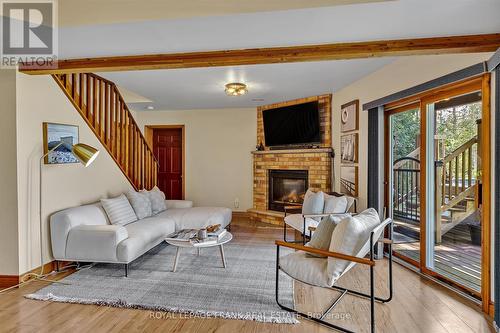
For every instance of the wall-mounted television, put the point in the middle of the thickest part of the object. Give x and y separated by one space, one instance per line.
292 125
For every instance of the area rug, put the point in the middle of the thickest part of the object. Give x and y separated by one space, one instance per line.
245 289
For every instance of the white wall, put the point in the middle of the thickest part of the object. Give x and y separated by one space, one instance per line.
405 72
39 100
218 159
9 264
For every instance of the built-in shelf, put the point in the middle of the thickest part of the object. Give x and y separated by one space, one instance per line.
293 151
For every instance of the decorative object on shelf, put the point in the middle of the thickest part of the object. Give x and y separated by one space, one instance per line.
260 146
349 148
64 137
236 89
349 180
349 116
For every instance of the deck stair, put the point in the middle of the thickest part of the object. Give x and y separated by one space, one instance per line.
456 190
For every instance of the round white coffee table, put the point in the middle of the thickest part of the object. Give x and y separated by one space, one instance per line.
220 243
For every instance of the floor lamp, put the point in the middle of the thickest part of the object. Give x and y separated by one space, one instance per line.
86 155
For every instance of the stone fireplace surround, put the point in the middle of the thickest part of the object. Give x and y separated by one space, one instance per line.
316 161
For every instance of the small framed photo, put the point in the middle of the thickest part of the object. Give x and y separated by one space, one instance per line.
349 148
53 134
349 180
349 116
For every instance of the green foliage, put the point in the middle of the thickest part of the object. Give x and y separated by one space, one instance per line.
405 130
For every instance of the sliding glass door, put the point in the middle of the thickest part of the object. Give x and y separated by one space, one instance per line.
437 183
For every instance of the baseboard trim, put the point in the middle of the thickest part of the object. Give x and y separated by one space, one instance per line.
7 281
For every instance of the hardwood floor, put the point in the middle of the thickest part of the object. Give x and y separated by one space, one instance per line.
419 305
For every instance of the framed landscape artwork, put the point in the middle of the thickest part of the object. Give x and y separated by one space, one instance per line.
349 180
349 148
349 116
53 134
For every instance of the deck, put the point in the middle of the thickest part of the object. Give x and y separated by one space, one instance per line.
456 258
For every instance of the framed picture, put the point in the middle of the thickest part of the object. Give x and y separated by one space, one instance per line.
349 116
349 180
53 134
349 148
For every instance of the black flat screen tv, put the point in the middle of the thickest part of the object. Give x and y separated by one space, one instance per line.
292 125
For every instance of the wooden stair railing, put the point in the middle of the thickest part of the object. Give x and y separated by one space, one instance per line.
102 107
455 181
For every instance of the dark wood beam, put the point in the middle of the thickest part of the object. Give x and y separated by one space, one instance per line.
337 51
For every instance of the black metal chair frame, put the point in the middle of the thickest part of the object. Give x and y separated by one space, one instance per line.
371 296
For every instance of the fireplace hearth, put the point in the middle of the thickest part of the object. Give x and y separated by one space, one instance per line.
286 187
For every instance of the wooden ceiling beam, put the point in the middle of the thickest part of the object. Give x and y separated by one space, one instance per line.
272 55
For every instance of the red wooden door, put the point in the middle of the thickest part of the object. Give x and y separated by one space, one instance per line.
167 147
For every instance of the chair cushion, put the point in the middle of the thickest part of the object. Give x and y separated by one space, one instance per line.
296 221
322 236
142 236
119 210
335 204
140 203
305 268
157 198
348 237
313 203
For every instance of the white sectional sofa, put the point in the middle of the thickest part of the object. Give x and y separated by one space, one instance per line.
84 234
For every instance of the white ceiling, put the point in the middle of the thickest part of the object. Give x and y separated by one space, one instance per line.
114 11
203 88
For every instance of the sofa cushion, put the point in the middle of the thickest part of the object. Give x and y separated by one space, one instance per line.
140 203
119 210
143 235
313 203
198 217
94 242
157 198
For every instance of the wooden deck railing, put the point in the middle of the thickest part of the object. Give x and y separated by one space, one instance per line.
102 107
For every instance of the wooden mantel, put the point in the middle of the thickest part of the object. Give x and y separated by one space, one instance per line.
293 151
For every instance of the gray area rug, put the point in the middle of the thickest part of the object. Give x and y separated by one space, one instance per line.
200 286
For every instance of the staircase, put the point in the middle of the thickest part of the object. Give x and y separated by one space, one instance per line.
102 107
456 190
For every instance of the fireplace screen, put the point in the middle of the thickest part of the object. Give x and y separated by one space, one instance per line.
286 187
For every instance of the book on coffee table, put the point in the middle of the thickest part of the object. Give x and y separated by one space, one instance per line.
202 242
184 235
219 233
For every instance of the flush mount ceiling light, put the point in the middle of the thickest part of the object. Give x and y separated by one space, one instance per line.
236 89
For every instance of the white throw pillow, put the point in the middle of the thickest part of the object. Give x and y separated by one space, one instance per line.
157 198
313 203
348 237
140 203
119 210
322 236
335 205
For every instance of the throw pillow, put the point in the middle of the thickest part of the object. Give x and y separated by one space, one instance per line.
348 237
140 203
313 203
335 205
157 198
322 236
119 210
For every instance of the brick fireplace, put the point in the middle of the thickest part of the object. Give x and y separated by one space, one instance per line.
282 176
